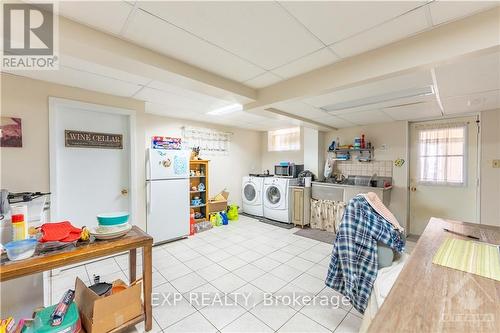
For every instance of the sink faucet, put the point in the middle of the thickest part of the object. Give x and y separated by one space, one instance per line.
371 178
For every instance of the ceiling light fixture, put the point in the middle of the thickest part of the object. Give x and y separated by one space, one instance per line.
393 96
226 109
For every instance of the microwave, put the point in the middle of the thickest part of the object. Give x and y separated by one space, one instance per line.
291 170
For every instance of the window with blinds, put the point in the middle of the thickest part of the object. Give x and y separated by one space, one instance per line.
284 139
442 155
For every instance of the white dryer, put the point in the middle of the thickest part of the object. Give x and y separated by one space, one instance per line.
277 197
251 193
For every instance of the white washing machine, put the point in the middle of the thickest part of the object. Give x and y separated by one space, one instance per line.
251 193
277 197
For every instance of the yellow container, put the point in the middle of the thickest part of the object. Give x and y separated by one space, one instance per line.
18 227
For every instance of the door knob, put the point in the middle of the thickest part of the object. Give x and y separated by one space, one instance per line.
413 189
124 191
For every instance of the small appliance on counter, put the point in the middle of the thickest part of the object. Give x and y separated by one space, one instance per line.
305 178
286 169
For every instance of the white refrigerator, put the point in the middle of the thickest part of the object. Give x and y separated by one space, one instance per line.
167 194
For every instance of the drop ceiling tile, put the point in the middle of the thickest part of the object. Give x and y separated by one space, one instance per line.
469 76
301 109
444 11
333 21
169 111
366 117
156 34
334 121
312 61
414 111
263 80
97 13
171 101
259 31
472 103
389 32
75 78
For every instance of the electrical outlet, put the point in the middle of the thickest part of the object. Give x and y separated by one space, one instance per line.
496 163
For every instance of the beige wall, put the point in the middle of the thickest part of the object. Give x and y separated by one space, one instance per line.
490 177
272 158
393 135
27 168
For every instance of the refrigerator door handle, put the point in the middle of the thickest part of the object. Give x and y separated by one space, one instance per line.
148 197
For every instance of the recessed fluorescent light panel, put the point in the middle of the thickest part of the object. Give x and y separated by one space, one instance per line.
384 98
226 109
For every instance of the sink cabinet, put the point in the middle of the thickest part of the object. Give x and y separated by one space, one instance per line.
301 205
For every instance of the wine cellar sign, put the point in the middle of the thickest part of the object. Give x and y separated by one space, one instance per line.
83 139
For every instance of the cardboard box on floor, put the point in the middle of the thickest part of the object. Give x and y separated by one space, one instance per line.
219 202
101 314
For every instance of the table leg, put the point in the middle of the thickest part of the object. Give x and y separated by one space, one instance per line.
147 272
132 265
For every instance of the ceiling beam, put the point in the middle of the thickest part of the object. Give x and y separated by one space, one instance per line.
85 43
302 119
476 34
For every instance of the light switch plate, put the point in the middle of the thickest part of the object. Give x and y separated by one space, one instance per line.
496 163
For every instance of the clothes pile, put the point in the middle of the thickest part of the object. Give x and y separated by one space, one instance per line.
353 267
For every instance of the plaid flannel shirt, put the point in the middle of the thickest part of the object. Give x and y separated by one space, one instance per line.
353 267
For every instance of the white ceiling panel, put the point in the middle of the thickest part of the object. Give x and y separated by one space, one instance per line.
472 103
261 32
312 61
389 32
301 109
263 80
333 21
469 76
402 82
334 121
444 11
156 34
414 111
367 117
75 78
109 16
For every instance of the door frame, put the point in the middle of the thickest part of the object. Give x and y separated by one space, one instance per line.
55 103
479 154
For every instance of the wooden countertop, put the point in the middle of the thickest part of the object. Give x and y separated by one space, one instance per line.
432 298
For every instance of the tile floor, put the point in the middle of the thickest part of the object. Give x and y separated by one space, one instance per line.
257 265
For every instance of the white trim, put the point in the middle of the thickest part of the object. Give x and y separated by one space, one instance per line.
54 104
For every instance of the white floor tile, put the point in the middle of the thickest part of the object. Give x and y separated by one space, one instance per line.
168 313
174 271
228 283
274 315
198 263
249 272
212 272
351 324
188 282
218 256
194 323
285 272
232 263
186 255
140 328
203 296
269 283
280 256
312 255
158 279
294 296
248 296
266 264
300 264
309 283
301 324
329 316
102 267
334 295
319 271
247 323
222 315
250 255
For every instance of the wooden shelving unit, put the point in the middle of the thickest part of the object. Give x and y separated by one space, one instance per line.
201 167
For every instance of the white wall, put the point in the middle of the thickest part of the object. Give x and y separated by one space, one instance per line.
393 135
490 177
27 168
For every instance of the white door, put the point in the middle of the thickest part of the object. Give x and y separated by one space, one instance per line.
443 171
168 209
88 181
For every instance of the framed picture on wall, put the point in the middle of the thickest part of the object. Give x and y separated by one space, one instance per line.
11 134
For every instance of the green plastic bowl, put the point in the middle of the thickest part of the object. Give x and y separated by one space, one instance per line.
113 219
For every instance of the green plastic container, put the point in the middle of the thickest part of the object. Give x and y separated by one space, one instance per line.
71 322
113 219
